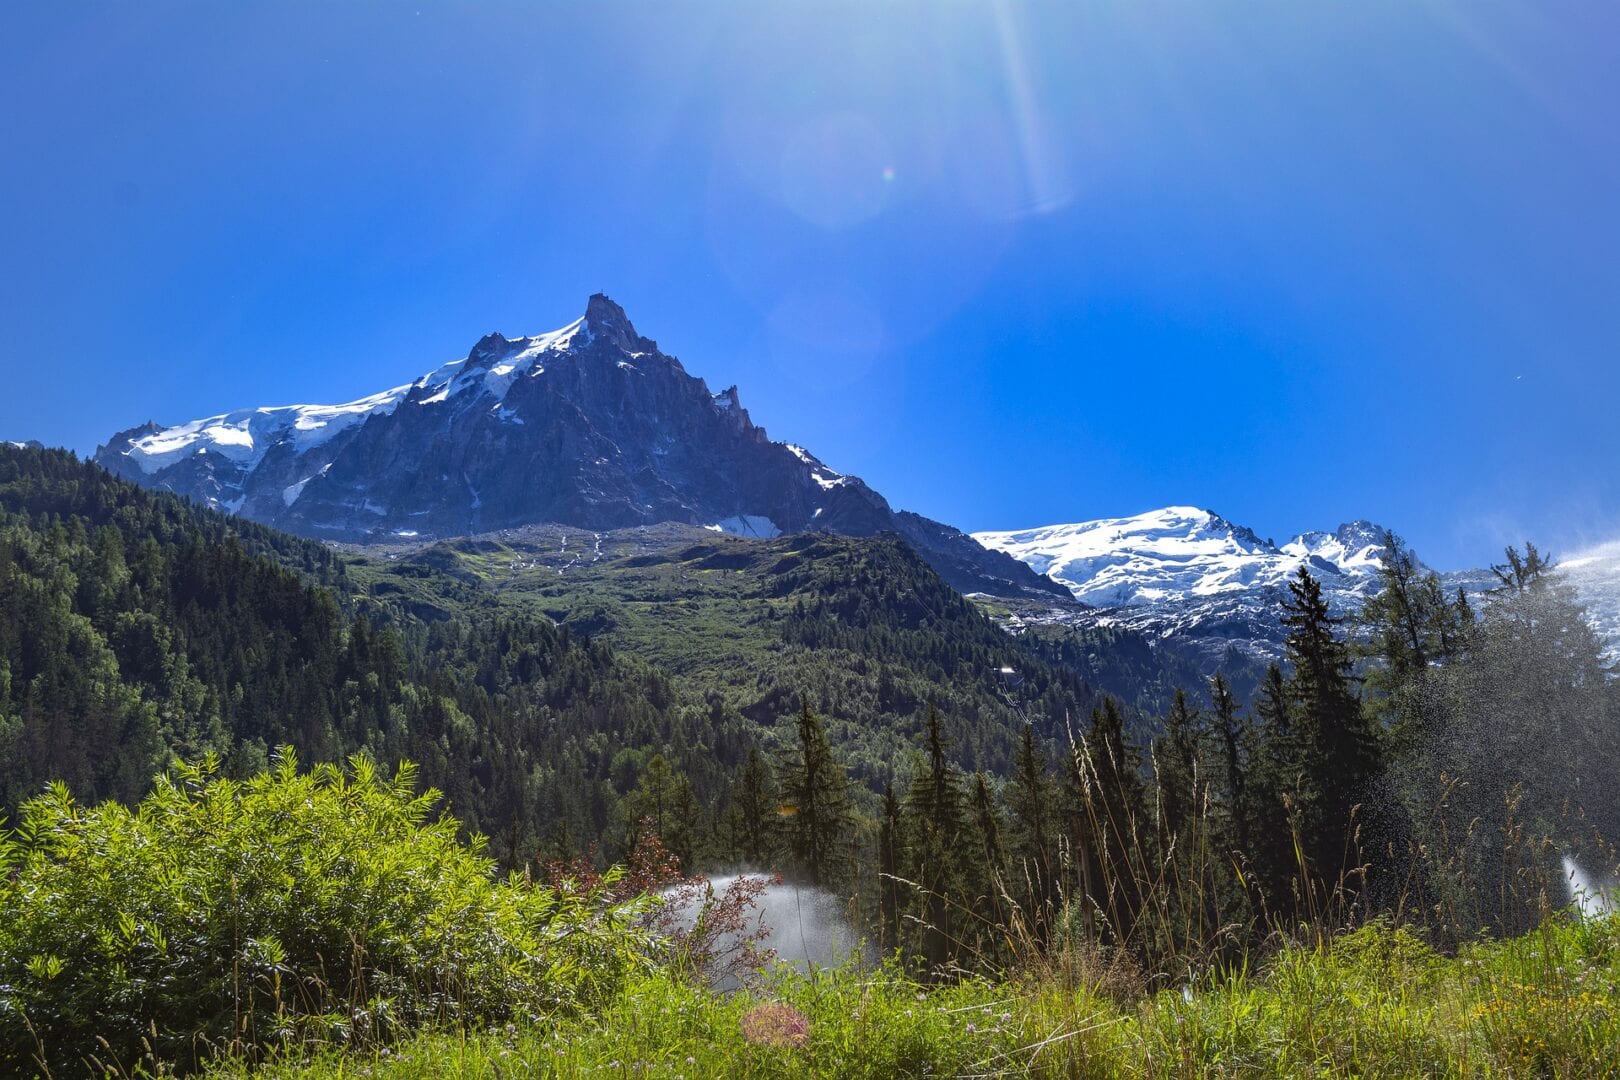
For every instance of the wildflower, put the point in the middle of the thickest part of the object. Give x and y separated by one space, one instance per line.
971 1029
775 1024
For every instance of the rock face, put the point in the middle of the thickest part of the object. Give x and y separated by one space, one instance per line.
591 425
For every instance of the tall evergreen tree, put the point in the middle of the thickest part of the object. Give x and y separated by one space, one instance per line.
937 826
1340 751
1107 790
1176 755
1031 802
891 844
986 870
753 813
817 790
1524 734
1232 736
1412 627
662 803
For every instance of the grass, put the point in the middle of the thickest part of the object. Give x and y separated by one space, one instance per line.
1377 1002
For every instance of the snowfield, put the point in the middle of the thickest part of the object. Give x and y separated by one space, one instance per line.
1180 552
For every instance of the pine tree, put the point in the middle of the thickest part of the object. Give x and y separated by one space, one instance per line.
754 813
1232 735
1340 751
663 804
936 826
1412 628
1176 756
817 790
890 850
986 868
1107 792
1031 800
1527 733
1277 780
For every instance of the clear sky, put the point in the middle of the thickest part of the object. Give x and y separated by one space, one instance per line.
1014 264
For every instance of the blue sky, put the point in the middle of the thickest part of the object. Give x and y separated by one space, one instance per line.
1013 263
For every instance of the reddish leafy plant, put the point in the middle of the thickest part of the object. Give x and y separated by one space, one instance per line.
713 936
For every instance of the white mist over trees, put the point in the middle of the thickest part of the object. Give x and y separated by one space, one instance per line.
1512 740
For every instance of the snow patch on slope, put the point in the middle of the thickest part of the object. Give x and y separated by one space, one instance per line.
825 478
245 436
753 525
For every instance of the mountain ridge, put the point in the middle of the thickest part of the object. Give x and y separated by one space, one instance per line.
590 425
1188 574
1183 551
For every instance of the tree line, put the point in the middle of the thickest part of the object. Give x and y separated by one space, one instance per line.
1432 758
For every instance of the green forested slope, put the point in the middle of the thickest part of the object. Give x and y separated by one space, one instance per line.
134 628
861 627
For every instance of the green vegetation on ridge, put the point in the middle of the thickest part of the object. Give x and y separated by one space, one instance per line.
861 627
1028 831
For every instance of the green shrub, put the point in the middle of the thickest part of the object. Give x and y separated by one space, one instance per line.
240 916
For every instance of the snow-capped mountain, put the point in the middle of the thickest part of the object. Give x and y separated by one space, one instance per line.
590 425
1189 579
1188 574
1182 552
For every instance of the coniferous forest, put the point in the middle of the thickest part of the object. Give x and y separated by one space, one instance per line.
1423 773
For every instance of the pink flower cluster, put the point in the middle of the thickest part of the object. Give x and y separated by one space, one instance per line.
776 1024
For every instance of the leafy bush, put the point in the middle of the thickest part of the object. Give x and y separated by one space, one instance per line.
240 916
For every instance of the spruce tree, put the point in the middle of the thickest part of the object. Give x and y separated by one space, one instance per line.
817 790
753 814
1340 753
890 851
936 826
1176 756
1106 785
663 804
1528 738
1231 734
1031 799
1412 628
986 868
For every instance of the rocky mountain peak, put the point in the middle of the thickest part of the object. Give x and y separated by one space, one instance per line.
607 320
589 425
489 348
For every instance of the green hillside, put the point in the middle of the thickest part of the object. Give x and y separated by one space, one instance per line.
861 627
135 628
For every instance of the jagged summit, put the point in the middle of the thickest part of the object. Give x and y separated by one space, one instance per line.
588 425
602 312
489 348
